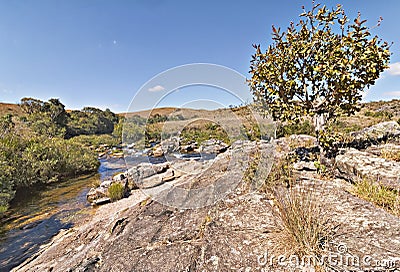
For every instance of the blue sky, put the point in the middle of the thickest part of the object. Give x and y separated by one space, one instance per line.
100 53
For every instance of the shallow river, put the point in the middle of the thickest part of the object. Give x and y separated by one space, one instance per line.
37 214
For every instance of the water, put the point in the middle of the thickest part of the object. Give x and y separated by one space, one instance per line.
37 214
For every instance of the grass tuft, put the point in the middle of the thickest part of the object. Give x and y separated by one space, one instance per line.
379 195
116 191
392 155
303 227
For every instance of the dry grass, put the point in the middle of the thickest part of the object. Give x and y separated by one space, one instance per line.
281 174
378 195
303 227
393 155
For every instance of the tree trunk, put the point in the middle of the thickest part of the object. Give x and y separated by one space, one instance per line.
319 124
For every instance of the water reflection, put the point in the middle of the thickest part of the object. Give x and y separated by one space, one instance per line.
37 214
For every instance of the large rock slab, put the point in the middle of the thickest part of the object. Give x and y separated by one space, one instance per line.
231 234
378 132
356 165
145 170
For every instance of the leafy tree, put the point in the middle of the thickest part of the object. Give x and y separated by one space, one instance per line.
317 67
91 121
45 118
56 111
31 105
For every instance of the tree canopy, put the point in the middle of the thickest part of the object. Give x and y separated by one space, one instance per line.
318 67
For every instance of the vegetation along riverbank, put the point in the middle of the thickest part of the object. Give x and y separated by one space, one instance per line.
42 142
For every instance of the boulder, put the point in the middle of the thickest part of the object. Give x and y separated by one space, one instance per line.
381 150
119 177
378 132
236 233
355 165
230 235
188 148
102 201
96 193
157 151
145 170
213 146
304 166
156 180
101 192
170 145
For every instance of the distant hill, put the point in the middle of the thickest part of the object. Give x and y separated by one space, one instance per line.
368 115
10 108
166 111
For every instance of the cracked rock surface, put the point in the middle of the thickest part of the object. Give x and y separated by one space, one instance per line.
230 234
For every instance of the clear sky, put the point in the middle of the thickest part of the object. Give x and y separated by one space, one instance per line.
99 53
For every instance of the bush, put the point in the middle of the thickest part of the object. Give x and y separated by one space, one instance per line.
25 161
383 115
96 140
199 132
116 191
304 127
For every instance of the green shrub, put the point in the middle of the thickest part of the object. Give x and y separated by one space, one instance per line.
116 191
383 115
200 132
27 160
96 140
304 127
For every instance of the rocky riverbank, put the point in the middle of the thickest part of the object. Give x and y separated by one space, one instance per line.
216 215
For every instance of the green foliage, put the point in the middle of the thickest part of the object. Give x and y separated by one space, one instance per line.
25 161
152 134
95 141
157 118
91 121
341 126
116 191
6 124
198 132
45 118
382 115
321 169
318 67
304 127
132 130
50 119
33 149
